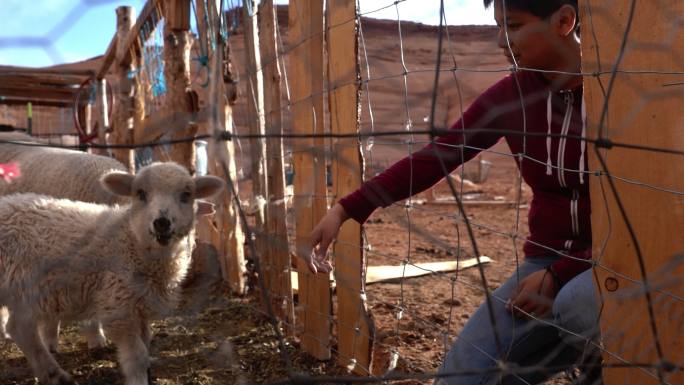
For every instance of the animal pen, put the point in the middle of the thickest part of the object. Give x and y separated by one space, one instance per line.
280 101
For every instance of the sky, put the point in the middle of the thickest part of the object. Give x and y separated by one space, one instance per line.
40 33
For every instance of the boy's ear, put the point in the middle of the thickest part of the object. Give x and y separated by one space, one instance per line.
566 19
118 183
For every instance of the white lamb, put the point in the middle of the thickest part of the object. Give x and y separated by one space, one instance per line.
122 265
60 173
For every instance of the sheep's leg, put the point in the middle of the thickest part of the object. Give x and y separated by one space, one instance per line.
132 353
24 331
92 330
49 333
4 316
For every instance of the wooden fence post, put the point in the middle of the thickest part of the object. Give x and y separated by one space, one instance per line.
102 115
179 97
276 263
640 111
122 116
306 81
355 327
255 112
227 233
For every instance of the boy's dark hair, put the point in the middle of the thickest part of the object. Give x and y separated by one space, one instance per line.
539 8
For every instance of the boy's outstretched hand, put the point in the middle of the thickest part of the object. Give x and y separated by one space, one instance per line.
534 295
321 237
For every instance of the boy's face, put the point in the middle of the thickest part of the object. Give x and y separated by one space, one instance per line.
534 42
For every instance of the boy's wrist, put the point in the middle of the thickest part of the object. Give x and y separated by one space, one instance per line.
556 279
341 212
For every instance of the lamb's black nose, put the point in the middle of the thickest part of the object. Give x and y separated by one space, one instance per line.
161 225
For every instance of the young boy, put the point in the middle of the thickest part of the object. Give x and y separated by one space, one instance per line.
543 98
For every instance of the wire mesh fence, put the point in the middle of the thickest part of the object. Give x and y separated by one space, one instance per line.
563 123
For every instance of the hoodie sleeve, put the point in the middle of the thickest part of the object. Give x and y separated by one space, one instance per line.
568 268
427 166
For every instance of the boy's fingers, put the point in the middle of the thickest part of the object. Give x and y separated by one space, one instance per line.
312 265
324 244
318 265
520 305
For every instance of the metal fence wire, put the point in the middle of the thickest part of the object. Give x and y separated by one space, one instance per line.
631 153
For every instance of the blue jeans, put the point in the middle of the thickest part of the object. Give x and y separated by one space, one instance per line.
525 343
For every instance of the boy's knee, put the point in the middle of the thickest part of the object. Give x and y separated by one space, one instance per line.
576 308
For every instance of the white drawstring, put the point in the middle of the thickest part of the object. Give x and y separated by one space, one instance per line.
583 144
562 142
549 168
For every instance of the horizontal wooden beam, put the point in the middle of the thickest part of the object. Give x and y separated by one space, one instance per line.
35 102
45 71
157 125
38 93
40 80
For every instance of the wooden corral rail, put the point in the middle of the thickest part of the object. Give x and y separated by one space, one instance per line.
40 86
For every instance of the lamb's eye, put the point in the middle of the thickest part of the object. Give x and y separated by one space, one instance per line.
185 197
142 196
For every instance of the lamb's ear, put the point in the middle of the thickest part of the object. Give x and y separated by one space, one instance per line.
206 186
118 183
205 208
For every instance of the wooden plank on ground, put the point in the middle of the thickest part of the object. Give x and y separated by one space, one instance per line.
640 112
355 325
378 274
277 266
305 76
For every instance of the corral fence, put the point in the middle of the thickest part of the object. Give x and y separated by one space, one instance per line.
303 104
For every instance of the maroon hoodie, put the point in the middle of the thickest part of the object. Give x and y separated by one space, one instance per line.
554 167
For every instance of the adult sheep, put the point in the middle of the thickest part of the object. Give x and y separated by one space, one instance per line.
122 265
60 173
57 172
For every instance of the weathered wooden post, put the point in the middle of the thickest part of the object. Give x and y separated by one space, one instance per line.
102 124
641 286
225 233
276 262
122 119
356 330
306 82
255 112
179 97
